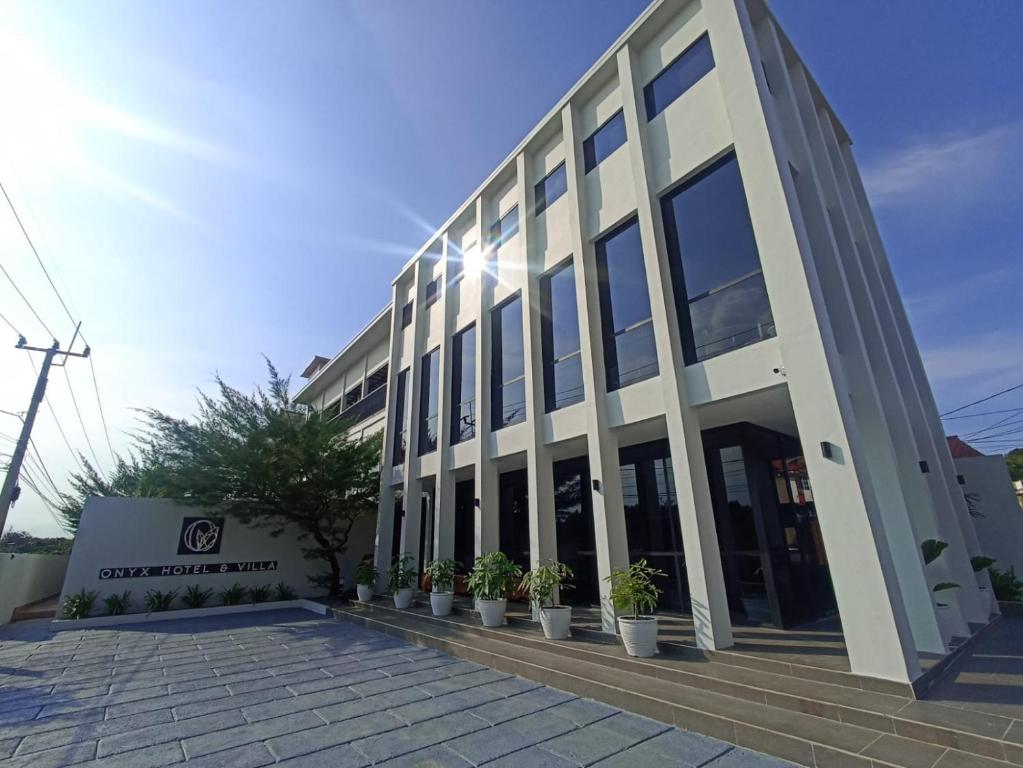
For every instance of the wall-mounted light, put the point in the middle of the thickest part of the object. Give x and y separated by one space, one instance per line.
477 502
827 450
596 485
961 479
925 467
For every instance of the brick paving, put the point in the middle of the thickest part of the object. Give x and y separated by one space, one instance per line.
293 689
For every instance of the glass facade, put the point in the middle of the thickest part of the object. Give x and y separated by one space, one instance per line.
513 509
562 362
400 428
573 517
465 524
603 141
678 77
463 385
508 372
719 287
550 188
429 395
630 353
505 227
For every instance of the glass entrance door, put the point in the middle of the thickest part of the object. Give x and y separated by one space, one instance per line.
573 516
513 509
651 519
465 524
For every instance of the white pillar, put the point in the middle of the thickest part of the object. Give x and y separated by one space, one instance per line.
444 488
874 622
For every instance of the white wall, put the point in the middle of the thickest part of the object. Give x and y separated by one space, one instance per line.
122 533
1000 523
27 578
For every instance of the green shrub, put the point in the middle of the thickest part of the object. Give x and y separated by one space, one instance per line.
492 575
401 575
233 595
543 582
633 590
367 574
117 605
1006 586
196 597
79 605
442 575
260 593
283 592
156 600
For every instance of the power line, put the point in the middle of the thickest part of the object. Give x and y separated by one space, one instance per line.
27 302
9 323
74 454
81 421
985 413
102 415
982 400
1004 422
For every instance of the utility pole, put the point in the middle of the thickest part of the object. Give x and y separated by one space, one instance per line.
11 491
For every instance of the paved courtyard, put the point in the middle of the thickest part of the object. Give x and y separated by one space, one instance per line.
294 689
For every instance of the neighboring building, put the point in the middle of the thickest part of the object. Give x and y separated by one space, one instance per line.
992 502
666 328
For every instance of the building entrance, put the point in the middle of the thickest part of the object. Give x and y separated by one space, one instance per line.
772 552
573 516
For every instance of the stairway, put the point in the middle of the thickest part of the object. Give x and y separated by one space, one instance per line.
809 722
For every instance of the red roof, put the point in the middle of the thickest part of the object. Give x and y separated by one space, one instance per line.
961 449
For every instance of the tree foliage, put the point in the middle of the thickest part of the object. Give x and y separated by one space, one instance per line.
1015 461
129 477
257 458
26 543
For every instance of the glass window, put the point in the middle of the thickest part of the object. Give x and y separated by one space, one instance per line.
376 379
513 514
465 524
603 141
406 315
630 354
463 385
505 227
332 411
508 373
719 288
562 363
550 188
428 397
353 395
400 430
432 291
678 77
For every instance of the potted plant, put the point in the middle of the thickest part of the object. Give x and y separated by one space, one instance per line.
492 575
401 581
542 584
442 578
982 563
366 576
931 551
633 591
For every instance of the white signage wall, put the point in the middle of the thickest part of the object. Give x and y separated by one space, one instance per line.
142 544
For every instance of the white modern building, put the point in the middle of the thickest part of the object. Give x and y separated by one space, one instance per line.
665 327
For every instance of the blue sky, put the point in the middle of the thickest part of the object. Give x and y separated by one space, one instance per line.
212 182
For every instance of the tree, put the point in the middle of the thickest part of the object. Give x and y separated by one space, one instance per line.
1015 461
26 543
129 477
260 460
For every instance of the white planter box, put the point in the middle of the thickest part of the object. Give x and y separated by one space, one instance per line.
556 622
440 602
403 597
59 625
365 592
639 635
492 611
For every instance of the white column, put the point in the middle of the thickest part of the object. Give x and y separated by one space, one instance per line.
711 619
444 489
874 622
610 535
413 486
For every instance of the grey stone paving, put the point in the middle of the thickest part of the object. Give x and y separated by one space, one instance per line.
293 689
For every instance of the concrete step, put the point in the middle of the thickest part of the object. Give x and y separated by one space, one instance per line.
817 724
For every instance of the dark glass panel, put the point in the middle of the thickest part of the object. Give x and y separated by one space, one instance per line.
731 318
428 398
550 188
513 509
463 385
465 524
603 141
563 381
505 228
406 315
573 515
629 349
678 77
376 379
508 385
400 429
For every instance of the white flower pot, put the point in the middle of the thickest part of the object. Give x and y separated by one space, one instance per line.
440 602
492 611
403 597
946 622
639 635
365 592
556 622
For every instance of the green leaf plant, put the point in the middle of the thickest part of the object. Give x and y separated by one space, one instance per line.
492 575
633 589
543 582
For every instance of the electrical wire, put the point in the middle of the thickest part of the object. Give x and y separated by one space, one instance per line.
27 302
982 400
102 415
985 413
85 432
10 324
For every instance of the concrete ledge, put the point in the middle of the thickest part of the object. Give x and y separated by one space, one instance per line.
60 625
